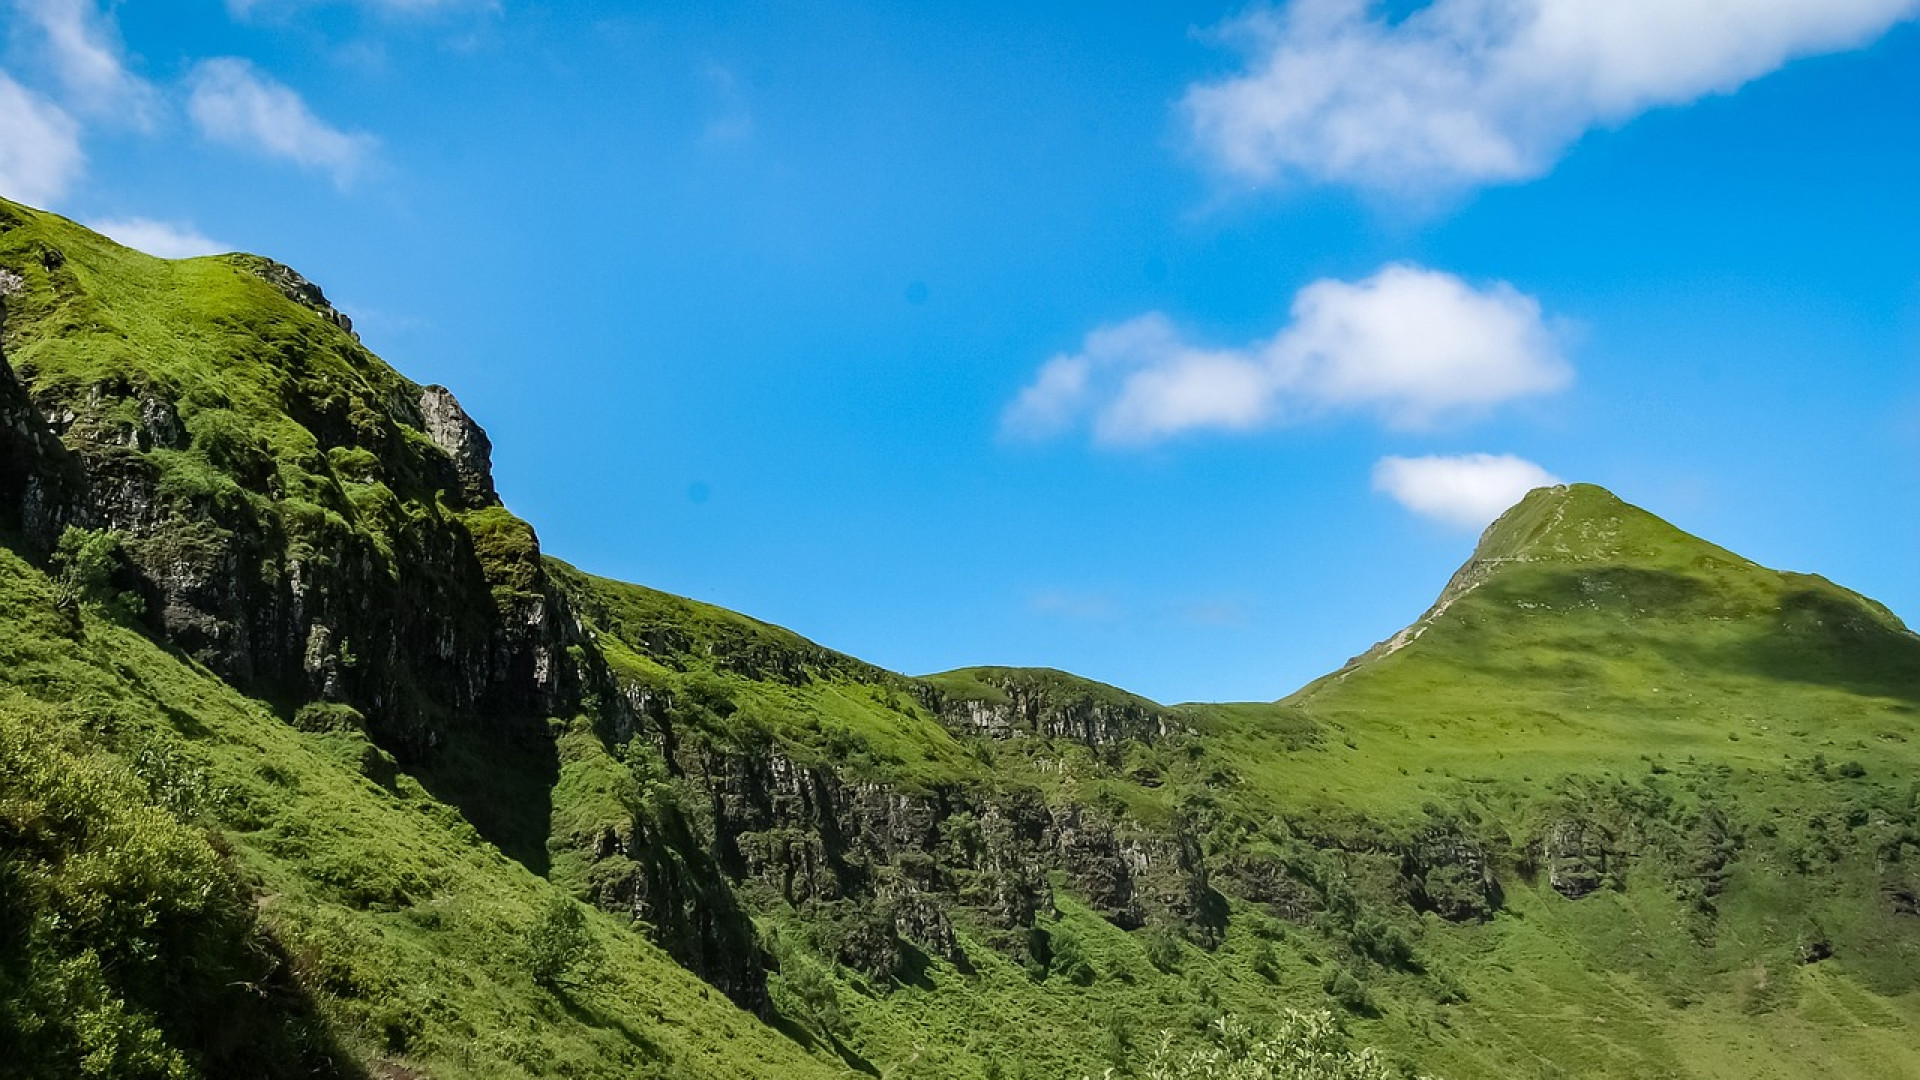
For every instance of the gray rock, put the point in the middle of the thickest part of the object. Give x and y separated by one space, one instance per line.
454 432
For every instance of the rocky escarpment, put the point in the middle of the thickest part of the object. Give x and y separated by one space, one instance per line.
303 520
1012 703
893 870
292 285
463 441
913 861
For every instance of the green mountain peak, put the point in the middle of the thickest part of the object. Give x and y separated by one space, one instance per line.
1585 523
1576 601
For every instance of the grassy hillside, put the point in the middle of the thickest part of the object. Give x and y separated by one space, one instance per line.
313 763
170 844
1566 825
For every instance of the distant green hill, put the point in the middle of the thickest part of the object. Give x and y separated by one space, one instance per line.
313 763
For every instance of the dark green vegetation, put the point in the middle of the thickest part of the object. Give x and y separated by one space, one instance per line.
311 763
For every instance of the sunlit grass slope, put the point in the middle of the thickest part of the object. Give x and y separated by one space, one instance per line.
1586 635
166 836
1738 736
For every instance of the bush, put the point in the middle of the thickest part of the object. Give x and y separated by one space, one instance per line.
1383 942
811 994
559 946
1266 963
1163 949
85 562
129 946
231 446
1344 987
1069 959
323 716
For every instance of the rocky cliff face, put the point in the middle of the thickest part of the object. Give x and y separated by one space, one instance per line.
891 869
309 537
39 480
1008 703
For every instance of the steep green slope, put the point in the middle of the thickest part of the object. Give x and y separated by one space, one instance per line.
197 887
1585 634
312 636
306 697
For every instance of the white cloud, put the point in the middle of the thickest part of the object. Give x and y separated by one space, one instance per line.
82 47
40 153
234 103
1464 92
167 240
1468 491
1414 347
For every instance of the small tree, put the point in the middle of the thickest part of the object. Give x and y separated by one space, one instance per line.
1347 989
812 994
559 945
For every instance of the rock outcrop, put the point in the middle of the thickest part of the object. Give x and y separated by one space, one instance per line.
463 441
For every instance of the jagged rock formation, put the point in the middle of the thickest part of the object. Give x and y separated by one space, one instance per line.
462 440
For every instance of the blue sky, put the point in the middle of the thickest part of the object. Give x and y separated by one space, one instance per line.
1185 347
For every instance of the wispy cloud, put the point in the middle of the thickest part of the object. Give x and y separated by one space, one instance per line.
1467 92
1214 614
81 47
244 9
40 154
730 121
1413 347
165 239
1074 606
233 102
1466 492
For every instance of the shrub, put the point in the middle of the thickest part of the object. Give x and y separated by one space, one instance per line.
321 716
1163 949
1266 963
86 561
1383 942
559 947
811 994
1344 987
1069 959
231 445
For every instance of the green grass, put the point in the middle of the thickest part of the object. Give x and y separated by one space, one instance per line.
744 683
1592 663
402 927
